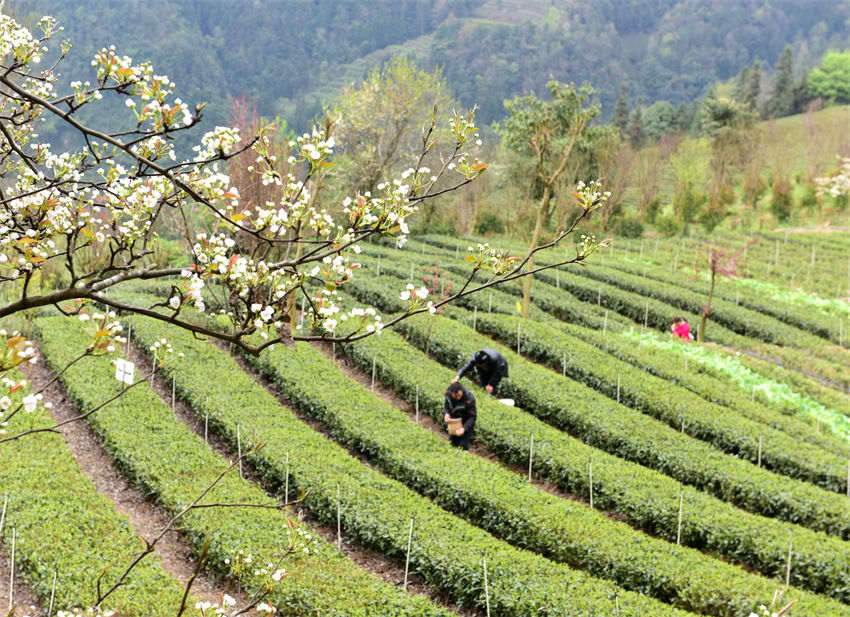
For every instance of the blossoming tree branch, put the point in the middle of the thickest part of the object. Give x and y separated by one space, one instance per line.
88 216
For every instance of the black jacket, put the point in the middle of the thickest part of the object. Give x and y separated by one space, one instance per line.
463 409
490 364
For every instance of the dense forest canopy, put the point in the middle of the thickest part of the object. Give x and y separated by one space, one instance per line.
293 56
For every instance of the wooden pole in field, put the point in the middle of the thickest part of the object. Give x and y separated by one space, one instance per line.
286 481
338 519
564 365
407 560
758 464
618 387
130 327
518 334
52 594
206 427
486 586
12 573
599 296
530 456
417 403
239 448
173 391
679 525
590 482
646 314
374 361
788 567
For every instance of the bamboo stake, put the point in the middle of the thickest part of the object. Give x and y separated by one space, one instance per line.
173 391
417 403
618 387
3 516
518 334
683 423
286 481
590 483
407 560
679 526
52 594
564 365
206 427
130 328
530 456
646 314
486 586
338 519
12 573
333 351
758 464
788 567
239 448
374 361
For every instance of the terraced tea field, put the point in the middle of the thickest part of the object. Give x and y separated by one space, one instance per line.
636 475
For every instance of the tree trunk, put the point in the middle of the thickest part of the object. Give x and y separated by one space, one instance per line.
706 311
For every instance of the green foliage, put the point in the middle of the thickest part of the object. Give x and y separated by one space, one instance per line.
831 80
379 119
781 198
167 459
490 223
659 119
375 509
630 228
63 525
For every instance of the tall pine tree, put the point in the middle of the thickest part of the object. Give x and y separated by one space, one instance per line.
751 96
781 102
621 112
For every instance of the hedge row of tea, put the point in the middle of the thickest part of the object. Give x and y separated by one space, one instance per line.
615 428
376 510
708 384
645 497
165 458
749 438
661 446
493 498
64 528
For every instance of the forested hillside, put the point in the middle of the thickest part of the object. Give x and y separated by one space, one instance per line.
293 56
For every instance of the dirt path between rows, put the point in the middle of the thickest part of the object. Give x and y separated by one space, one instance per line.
146 519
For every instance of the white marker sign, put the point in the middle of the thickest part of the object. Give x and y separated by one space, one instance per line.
124 371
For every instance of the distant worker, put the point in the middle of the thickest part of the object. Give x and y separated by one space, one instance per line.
681 328
459 415
491 367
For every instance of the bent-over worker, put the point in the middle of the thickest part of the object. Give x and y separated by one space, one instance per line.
491 367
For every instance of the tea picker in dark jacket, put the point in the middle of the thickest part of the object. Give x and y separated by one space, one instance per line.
460 404
491 367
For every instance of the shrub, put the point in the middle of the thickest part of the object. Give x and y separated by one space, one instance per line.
780 198
630 228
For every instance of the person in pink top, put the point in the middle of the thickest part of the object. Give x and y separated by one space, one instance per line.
681 329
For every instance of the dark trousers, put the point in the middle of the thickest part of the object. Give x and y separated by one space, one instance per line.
461 441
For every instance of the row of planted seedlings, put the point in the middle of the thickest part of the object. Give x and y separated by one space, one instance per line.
750 437
763 298
736 318
825 395
678 407
648 499
165 458
662 365
547 301
622 431
469 564
65 538
703 381
649 312
829 365
492 497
